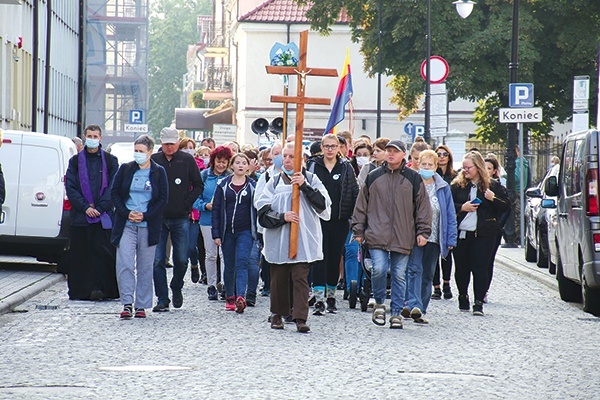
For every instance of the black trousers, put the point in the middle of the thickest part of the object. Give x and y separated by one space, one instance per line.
446 270
472 256
327 271
92 263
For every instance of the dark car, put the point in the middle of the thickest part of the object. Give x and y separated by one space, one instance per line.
537 221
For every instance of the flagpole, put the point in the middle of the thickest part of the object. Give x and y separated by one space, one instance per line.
351 112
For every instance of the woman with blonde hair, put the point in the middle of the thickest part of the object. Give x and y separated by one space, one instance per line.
478 201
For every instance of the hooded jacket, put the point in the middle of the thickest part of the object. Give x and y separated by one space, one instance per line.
392 209
448 232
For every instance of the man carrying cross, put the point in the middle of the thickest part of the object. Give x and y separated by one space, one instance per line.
274 205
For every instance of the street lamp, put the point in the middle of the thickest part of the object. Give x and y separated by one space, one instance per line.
379 11
464 7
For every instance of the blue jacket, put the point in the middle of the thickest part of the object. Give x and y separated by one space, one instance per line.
119 193
448 229
78 203
210 184
220 206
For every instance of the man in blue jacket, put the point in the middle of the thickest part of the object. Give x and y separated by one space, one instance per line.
185 185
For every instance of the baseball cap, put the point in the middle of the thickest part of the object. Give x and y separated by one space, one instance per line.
169 135
398 144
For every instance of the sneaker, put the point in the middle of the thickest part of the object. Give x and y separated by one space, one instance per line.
140 313
177 298
437 294
331 308
250 300
485 298
447 291
240 305
204 279
127 312
161 306
395 322
478 308
463 303
276 322
230 303
405 312
416 313
212 293
195 274
301 326
223 295
319 308
289 319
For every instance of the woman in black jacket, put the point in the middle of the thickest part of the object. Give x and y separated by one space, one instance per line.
479 201
338 177
139 193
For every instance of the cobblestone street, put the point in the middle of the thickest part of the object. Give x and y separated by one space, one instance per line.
530 345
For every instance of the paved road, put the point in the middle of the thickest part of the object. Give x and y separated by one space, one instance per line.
530 345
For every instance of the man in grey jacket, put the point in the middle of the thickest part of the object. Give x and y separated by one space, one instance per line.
392 214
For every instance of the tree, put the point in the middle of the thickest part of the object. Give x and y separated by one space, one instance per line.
172 27
557 41
196 99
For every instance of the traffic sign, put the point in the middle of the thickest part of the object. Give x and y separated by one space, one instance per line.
520 115
520 95
408 128
136 116
439 69
136 128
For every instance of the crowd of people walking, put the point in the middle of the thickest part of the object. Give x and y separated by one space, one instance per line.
225 211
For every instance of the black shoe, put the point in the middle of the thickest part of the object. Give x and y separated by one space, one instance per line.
195 274
223 295
509 245
331 308
289 319
204 279
250 300
463 303
161 306
177 298
212 293
319 308
437 294
312 300
265 292
97 295
447 291
478 308
341 285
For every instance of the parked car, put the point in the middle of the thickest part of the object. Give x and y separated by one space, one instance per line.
35 217
537 223
578 220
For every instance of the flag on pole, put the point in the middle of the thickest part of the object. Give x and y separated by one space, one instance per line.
342 97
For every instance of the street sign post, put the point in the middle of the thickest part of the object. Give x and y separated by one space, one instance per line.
520 115
136 128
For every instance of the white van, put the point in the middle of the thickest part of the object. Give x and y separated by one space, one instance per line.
35 215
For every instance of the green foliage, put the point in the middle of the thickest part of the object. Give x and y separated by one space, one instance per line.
196 99
172 29
558 39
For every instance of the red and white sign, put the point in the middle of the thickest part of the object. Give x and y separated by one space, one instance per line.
439 69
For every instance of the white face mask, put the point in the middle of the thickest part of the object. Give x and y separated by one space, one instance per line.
362 161
206 160
189 151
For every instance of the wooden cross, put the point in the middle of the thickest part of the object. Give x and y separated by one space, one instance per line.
300 100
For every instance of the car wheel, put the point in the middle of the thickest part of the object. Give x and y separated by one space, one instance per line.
541 257
568 290
591 298
530 252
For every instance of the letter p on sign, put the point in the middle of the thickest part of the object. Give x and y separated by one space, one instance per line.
520 95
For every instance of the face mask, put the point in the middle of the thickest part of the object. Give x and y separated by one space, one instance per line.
140 158
278 162
189 151
288 173
206 160
426 173
92 143
362 161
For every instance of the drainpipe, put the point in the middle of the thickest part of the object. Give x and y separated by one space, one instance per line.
81 69
48 68
34 67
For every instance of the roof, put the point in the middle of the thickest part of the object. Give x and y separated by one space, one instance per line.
284 11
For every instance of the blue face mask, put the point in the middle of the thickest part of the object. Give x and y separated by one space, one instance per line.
92 143
140 158
278 161
426 173
289 173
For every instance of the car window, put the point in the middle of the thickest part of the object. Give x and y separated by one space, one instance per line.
568 168
578 172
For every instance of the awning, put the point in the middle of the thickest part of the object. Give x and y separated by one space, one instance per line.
203 119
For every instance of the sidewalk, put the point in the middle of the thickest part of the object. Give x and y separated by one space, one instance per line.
515 260
19 283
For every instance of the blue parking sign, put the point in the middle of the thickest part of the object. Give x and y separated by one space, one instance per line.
520 95
136 116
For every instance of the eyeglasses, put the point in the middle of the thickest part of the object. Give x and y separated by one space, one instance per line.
468 168
444 154
330 146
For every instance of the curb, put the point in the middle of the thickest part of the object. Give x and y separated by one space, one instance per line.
539 274
9 303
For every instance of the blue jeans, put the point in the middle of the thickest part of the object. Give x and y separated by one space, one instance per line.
253 269
351 264
193 243
431 253
236 255
414 277
178 228
395 263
